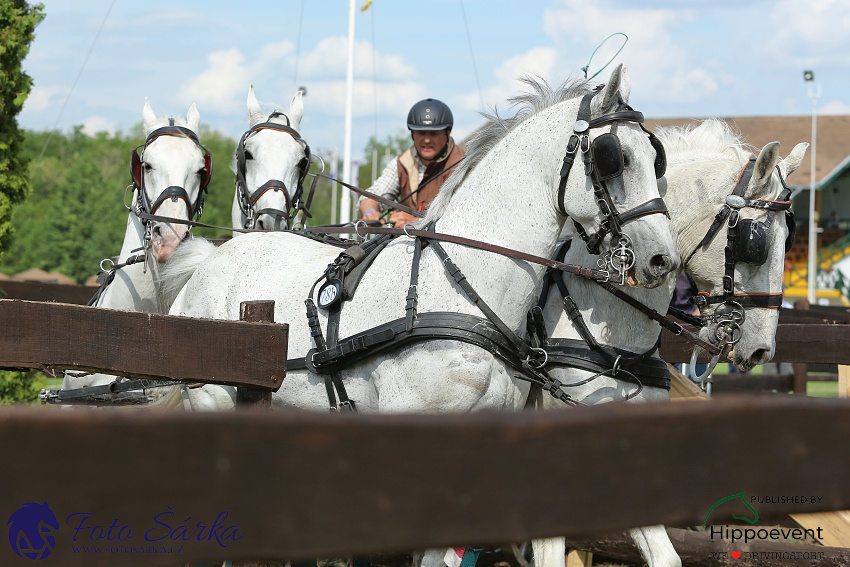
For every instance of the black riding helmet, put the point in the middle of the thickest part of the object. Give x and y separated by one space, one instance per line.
430 114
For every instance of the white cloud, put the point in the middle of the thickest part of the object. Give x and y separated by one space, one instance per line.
223 85
658 65
394 98
835 107
330 58
94 124
41 98
538 61
804 30
219 86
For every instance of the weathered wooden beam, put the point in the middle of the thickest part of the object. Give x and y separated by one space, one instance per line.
805 343
318 485
141 345
46 291
255 312
752 383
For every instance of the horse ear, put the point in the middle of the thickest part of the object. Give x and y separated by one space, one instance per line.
193 119
296 110
609 97
148 118
255 113
763 170
790 164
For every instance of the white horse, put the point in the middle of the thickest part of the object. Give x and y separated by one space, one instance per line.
169 179
506 193
271 161
704 163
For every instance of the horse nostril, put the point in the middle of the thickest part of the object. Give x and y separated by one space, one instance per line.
660 263
759 356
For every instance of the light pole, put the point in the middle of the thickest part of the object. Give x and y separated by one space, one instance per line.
814 93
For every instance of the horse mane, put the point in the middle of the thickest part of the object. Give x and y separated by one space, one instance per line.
540 97
705 139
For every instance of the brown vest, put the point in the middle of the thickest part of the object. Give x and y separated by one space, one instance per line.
408 177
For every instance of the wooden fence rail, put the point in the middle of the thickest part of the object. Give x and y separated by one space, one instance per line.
267 486
141 345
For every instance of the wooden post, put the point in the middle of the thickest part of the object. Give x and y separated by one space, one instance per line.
576 558
801 369
255 312
843 381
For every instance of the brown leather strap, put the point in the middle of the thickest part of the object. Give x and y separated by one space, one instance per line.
590 273
383 200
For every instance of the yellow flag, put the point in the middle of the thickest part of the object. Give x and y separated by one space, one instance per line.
366 5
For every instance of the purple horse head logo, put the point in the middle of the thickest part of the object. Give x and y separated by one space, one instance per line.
30 530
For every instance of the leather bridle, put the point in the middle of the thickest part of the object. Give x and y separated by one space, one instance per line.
173 192
622 257
730 315
248 199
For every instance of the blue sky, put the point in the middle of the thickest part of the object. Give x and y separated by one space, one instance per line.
686 58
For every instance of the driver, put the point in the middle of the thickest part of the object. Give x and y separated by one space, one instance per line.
414 178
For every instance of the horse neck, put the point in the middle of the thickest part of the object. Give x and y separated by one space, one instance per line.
508 200
610 320
134 237
706 183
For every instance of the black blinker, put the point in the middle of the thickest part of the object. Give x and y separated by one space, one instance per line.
608 156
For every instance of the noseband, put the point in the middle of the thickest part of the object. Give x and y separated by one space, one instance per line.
748 241
247 199
603 161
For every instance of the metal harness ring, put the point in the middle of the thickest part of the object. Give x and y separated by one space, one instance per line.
404 228
110 262
357 226
530 363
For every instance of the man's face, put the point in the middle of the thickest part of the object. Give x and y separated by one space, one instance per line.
429 144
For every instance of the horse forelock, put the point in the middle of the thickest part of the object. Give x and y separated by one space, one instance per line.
540 97
167 121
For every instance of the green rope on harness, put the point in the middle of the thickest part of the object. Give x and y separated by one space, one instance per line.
584 69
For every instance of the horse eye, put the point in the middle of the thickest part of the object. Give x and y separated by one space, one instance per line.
147 166
626 160
248 155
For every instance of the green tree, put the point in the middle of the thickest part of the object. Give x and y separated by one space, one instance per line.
18 21
390 147
74 217
219 199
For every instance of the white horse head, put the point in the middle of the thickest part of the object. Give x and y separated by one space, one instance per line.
757 282
171 175
271 161
552 114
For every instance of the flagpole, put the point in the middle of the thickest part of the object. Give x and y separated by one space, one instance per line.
345 201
